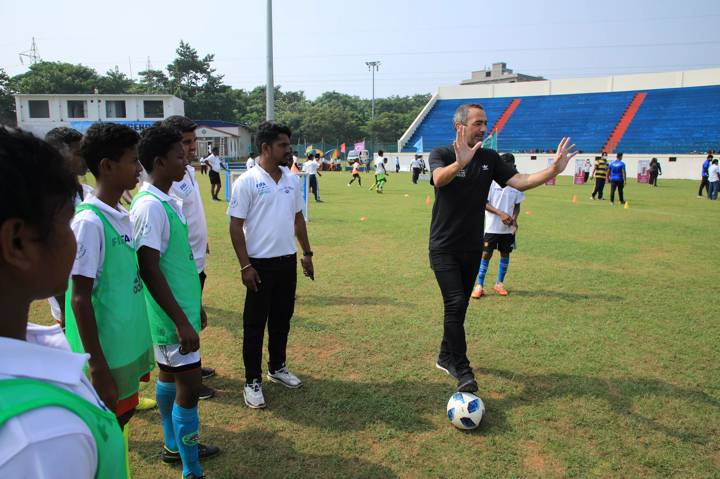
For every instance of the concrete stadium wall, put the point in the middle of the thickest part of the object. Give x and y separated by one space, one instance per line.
686 167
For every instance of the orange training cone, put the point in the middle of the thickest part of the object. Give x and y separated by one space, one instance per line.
428 201
574 200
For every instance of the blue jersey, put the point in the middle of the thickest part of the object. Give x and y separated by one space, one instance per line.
617 168
705 167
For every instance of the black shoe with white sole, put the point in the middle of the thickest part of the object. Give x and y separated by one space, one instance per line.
467 383
206 392
208 373
204 452
447 367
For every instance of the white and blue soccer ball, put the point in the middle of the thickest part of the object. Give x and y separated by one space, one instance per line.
465 410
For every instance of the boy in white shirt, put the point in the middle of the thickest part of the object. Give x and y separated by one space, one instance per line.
52 424
501 214
172 294
67 142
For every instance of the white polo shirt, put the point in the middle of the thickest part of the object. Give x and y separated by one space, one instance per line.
151 226
380 166
88 191
310 167
503 199
268 209
39 442
214 162
187 193
90 236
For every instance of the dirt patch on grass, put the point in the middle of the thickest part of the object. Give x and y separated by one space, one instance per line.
538 463
322 350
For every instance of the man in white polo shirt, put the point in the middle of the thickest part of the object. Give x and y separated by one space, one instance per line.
311 167
265 217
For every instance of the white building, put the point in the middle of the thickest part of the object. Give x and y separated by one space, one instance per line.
42 112
233 139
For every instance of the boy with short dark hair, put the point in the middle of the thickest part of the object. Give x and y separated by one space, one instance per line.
172 295
51 419
105 306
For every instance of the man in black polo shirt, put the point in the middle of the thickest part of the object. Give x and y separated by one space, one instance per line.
462 174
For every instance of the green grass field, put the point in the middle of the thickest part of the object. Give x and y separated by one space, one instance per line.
602 362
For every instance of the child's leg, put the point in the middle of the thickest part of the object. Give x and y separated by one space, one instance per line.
185 419
484 263
503 267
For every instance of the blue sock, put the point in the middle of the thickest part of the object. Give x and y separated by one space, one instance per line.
186 425
165 396
484 263
502 269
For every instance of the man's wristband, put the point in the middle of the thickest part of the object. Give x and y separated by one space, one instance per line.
307 253
249 265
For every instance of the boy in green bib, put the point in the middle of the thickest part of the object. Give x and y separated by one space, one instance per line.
52 423
172 294
105 306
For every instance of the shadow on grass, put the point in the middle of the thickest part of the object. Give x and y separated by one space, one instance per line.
618 393
566 296
262 454
232 321
352 300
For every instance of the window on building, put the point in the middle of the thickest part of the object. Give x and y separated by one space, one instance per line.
39 108
76 108
115 109
153 109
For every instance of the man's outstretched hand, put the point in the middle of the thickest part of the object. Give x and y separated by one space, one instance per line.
564 154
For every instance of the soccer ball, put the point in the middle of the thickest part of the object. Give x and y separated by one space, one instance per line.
465 410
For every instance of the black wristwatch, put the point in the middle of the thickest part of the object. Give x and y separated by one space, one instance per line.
307 253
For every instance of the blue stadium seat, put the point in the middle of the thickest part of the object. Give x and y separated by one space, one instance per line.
678 120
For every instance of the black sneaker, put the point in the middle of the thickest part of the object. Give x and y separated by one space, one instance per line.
206 392
447 367
467 383
173 457
208 372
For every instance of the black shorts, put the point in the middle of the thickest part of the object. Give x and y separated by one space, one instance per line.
501 242
214 177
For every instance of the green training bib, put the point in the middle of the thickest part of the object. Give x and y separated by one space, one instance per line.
18 396
178 267
120 312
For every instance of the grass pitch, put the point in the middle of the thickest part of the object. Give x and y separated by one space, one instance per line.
602 362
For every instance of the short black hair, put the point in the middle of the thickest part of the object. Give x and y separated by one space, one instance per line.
269 131
715 161
710 156
380 152
106 140
34 182
181 123
61 136
619 156
156 141
214 150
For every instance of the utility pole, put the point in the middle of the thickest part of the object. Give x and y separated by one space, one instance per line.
269 87
373 67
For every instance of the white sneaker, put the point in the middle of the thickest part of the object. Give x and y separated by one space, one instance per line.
285 377
253 395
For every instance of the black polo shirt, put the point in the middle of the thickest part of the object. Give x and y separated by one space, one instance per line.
458 215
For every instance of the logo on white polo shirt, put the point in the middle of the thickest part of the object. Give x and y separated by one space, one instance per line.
262 188
485 167
287 189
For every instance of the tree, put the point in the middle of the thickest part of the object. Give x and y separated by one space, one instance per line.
57 77
152 82
7 101
114 81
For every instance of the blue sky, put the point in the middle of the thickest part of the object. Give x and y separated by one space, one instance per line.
323 45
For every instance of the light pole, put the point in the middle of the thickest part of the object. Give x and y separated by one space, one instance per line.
373 67
269 87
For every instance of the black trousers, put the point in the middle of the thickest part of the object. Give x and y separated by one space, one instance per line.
314 186
455 273
653 178
619 186
586 175
599 187
704 184
273 304
416 175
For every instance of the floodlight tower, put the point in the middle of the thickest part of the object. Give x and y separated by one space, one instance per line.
269 87
373 67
